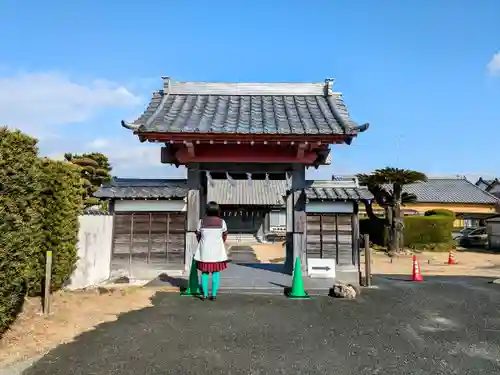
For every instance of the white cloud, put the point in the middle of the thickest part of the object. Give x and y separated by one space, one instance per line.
140 160
493 66
128 156
98 144
37 102
56 156
139 155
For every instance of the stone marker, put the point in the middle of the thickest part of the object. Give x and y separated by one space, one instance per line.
341 290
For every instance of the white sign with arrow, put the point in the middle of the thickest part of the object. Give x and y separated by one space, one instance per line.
321 268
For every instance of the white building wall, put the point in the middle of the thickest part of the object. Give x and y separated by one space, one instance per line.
95 240
330 207
277 218
142 205
493 230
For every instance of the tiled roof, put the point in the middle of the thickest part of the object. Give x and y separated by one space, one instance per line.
486 184
339 188
272 192
449 190
259 192
247 108
338 193
143 188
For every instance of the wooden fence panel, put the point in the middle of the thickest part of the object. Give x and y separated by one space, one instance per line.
329 236
156 239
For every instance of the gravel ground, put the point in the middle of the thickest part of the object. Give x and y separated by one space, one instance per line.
442 326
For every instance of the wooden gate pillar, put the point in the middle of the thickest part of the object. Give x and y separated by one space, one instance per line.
296 221
196 201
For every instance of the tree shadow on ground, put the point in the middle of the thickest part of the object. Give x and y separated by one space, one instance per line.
165 279
277 268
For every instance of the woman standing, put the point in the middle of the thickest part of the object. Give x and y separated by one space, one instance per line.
211 255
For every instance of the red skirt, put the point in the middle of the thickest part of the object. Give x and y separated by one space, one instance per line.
211 267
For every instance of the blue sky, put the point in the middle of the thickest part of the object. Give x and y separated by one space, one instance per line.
425 74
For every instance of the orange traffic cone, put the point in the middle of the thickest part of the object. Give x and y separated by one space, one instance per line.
416 276
451 257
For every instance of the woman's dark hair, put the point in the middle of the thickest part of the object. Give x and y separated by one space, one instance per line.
212 209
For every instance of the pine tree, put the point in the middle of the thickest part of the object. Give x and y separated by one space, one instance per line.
95 170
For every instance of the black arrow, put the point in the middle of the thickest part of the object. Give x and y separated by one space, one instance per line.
322 268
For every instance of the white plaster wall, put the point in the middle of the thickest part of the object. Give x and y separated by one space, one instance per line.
277 218
129 205
329 207
95 240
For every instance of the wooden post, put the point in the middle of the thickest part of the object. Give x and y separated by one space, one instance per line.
131 246
149 238
368 261
48 282
296 221
195 201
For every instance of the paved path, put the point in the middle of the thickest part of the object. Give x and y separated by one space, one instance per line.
246 272
242 254
446 327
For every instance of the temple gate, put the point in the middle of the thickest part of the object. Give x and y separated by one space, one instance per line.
253 131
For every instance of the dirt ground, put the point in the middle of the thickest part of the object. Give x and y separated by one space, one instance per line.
469 264
72 313
270 253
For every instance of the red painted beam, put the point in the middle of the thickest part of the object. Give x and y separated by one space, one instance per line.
205 153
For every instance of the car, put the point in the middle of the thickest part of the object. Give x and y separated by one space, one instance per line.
461 233
476 237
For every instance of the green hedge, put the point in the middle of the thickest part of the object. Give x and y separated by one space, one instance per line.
418 230
19 218
61 203
39 207
441 212
428 229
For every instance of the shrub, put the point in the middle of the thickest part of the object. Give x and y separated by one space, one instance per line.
419 230
61 202
19 218
441 212
428 229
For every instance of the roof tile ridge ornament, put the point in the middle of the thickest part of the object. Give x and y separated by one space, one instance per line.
348 130
329 86
166 84
156 93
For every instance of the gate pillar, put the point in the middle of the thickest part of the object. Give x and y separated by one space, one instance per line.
196 202
296 220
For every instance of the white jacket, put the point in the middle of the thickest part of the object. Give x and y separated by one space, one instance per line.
211 248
